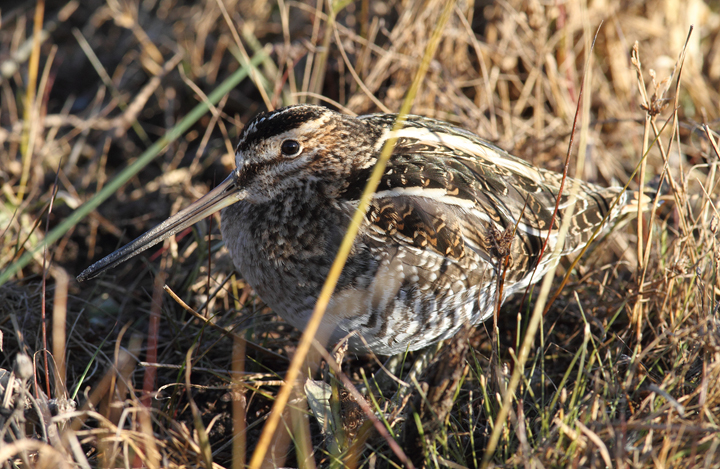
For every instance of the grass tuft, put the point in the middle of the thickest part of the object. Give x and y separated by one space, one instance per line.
115 114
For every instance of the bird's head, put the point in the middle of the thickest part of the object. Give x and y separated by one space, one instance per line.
299 145
292 147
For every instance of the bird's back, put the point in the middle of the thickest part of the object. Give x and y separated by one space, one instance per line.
448 211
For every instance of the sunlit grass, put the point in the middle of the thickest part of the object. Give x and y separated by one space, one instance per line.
105 117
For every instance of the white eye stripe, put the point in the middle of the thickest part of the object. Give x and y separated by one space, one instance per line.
271 124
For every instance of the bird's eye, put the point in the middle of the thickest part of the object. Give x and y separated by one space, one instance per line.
290 148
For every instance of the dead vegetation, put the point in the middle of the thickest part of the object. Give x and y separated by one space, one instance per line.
122 373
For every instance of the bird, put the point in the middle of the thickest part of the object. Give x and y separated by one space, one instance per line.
452 214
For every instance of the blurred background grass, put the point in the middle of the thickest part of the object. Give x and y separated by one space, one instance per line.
105 80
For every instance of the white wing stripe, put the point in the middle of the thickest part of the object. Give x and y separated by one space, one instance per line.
423 135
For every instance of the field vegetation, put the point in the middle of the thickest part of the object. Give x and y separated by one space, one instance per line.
115 114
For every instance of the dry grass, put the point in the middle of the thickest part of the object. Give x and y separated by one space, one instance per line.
624 370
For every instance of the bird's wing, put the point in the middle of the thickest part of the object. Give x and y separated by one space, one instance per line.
447 191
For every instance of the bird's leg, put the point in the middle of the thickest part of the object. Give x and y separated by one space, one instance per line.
500 249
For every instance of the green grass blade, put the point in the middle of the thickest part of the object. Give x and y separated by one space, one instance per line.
148 155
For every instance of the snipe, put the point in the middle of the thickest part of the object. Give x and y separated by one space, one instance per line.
426 258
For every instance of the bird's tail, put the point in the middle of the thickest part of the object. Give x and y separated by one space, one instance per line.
646 197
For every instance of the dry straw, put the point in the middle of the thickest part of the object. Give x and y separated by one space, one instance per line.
627 352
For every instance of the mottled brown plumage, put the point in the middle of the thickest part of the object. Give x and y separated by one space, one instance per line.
448 207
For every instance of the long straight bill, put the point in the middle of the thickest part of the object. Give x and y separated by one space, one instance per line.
227 193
